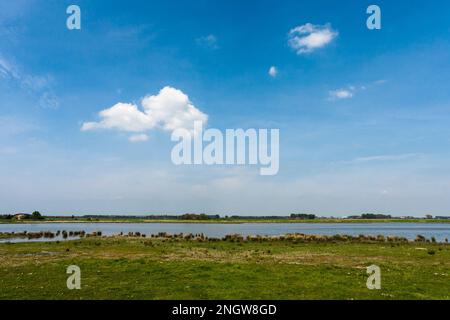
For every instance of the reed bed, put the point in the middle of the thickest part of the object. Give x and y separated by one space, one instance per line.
238 238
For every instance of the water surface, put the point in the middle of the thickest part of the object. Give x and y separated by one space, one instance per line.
408 230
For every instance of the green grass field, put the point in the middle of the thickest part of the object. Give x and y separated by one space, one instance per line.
144 268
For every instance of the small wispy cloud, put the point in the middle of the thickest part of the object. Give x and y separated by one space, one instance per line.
32 84
340 94
208 42
309 37
12 126
130 36
388 157
350 91
7 70
7 151
381 81
138 138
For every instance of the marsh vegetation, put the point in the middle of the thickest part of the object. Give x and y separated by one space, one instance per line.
193 266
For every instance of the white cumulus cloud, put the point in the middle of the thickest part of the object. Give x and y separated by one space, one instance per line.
309 37
273 71
169 110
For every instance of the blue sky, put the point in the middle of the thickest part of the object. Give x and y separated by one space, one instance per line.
363 117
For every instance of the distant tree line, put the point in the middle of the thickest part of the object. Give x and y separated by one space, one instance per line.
186 216
303 216
194 216
234 217
36 215
147 217
371 216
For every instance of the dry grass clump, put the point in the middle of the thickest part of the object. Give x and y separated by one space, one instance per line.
41 234
294 238
237 238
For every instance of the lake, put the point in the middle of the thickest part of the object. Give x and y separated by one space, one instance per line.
408 230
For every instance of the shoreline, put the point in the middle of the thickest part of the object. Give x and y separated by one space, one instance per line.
233 237
275 221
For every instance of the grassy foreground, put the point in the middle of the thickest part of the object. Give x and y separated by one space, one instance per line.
139 268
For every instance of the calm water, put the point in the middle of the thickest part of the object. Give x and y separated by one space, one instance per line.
408 230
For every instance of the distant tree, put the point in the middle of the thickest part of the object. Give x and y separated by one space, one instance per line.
375 216
193 216
36 215
303 216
